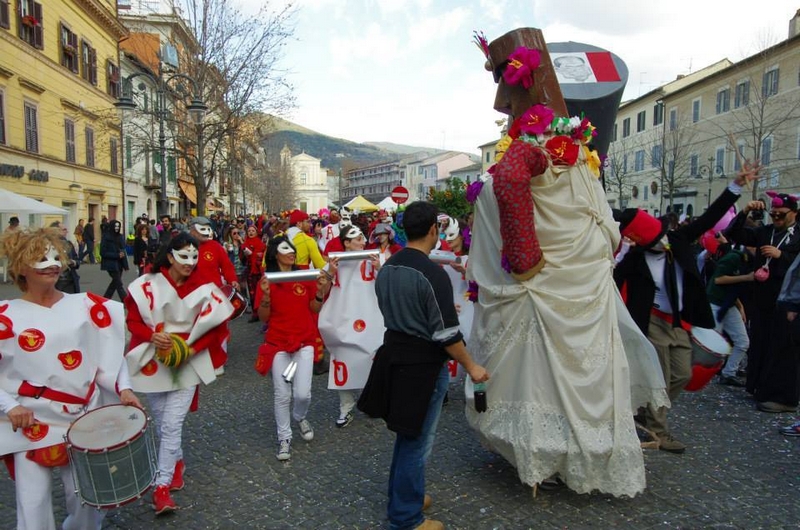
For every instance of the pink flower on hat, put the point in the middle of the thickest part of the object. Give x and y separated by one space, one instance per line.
521 64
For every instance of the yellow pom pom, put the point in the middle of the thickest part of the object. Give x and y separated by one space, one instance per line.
177 354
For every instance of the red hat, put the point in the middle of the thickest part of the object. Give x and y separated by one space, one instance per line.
297 216
640 227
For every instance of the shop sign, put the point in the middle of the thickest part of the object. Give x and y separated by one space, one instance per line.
34 175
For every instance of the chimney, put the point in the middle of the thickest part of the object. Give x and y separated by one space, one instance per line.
794 25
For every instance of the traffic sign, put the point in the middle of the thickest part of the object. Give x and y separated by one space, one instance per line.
399 195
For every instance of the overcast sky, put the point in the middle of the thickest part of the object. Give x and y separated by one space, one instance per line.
406 71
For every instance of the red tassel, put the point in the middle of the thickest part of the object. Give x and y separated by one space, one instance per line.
9 461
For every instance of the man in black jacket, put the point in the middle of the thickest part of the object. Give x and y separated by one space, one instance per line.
773 371
409 377
88 239
665 292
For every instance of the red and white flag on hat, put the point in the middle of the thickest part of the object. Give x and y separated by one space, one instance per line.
585 67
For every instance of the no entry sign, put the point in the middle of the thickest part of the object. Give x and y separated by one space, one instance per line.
399 195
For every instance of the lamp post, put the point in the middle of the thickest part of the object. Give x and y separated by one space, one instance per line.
196 108
709 170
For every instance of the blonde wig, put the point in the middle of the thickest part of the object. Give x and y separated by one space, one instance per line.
25 247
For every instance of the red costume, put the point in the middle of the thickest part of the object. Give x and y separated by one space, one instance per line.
214 264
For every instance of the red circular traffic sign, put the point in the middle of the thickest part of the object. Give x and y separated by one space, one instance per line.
399 195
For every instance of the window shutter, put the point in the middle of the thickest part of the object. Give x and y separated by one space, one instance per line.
5 15
93 66
38 31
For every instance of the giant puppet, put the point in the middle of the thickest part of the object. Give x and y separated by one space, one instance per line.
549 323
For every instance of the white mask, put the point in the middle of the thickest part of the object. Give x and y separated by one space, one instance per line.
451 232
50 259
352 232
204 230
186 256
285 248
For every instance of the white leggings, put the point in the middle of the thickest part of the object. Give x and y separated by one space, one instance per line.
300 387
169 410
34 484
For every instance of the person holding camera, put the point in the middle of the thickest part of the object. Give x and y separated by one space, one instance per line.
772 368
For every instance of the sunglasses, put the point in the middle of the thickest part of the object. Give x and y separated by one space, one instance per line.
778 215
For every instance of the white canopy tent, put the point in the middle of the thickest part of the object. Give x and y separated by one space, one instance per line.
13 203
387 204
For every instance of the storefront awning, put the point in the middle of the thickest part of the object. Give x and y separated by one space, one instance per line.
189 190
214 204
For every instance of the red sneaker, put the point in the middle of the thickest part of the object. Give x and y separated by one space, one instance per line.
162 500
177 477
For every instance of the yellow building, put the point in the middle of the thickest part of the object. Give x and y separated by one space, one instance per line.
59 79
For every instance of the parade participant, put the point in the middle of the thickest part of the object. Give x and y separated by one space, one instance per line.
140 247
307 250
88 239
114 259
409 377
334 244
177 325
463 296
73 343
214 265
329 231
666 294
568 364
69 281
382 238
351 324
287 308
772 367
251 253
166 229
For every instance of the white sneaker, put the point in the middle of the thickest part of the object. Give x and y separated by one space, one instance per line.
285 450
306 430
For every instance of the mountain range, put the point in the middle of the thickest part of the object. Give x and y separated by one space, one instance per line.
336 153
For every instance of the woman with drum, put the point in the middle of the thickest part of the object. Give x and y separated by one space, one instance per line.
177 326
351 323
73 342
288 350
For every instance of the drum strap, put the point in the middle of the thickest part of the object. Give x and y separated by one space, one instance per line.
28 390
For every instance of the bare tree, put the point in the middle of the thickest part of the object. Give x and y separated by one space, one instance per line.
670 149
616 174
236 67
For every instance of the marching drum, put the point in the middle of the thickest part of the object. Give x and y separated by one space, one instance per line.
236 299
709 351
113 455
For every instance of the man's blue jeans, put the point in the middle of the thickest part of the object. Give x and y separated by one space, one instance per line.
407 474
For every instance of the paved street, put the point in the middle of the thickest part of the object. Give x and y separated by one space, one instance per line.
737 473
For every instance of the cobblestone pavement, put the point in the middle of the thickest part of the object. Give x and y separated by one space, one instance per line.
738 472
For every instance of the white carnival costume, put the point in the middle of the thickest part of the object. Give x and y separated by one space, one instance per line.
351 325
74 345
162 309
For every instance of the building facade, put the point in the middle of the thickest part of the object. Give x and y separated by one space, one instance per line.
310 181
675 148
59 130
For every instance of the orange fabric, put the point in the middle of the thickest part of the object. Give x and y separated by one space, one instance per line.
52 456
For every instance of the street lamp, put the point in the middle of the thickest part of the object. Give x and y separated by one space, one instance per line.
196 108
709 170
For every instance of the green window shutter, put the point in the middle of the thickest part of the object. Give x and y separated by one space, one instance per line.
172 169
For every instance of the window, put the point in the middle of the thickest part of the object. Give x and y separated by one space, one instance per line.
766 151
5 15
303 178
614 134
128 152
638 164
658 114
113 151
655 156
769 85
487 157
694 166
29 22
88 63
640 121
719 161
673 119
31 128
89 147
723 100
2 118
626 127
625 164
112 79
69 139
742 96
69 49
172 168
695 110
